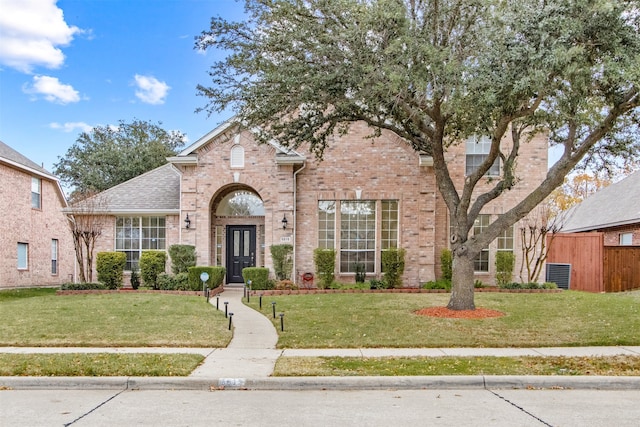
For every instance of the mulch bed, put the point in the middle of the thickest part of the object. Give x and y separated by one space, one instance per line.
444 312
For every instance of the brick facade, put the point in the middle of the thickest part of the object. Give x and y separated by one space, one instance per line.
20 223
354 167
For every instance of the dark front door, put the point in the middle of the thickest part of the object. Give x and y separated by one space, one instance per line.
241 250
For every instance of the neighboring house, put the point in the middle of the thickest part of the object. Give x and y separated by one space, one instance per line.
36 248
599 243
233 198
613 210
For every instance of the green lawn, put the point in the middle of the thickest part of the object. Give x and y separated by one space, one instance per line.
388 366
38 317
387 320
99 365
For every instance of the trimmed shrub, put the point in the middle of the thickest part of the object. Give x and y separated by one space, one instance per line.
438 284
377 284
135 279
178 282
361 274
505 262
259 277
530 285
325 261
393 266
110 267
87 286
446 264
282 260
182 257
152 263
216 277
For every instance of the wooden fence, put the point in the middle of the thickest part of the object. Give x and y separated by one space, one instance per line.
595 267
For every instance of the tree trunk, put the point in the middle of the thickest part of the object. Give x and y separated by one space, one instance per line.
462 283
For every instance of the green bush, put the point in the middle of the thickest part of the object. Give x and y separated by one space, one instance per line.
438 284
152 263
178 282
361 274
505 262
282 260
530 285
325 261
393 266
259 277
110 268
135 279
446 264
82 286
182 257
377 284
216 277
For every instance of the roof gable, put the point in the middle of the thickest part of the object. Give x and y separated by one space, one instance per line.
611 206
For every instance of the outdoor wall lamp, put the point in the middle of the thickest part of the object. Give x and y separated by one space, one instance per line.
187 222
284 222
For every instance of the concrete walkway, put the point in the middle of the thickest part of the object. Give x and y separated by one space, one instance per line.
249 360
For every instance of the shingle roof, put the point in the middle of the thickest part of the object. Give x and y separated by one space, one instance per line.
9 155
155 191
612 206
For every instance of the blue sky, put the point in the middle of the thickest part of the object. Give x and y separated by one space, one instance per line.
69 65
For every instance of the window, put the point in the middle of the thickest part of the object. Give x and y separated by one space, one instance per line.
237 156
626 239
54 256
505 240
23 256
481 263
477 150
136 234
240 203
358 224
326 224
36 197
357 235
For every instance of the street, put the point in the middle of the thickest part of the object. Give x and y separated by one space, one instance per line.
320 408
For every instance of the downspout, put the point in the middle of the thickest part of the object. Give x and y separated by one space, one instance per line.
295 227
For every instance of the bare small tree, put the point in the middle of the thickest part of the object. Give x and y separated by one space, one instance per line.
542 222
87 219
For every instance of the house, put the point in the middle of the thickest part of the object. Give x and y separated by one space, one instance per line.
233 198
36 248
600 240
613 210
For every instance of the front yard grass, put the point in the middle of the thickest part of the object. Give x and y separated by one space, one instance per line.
99 364
39 318
364 320
391 366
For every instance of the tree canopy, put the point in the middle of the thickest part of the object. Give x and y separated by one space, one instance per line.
110 155
435 73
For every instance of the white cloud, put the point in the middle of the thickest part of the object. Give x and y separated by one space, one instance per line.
151 90
71 126
52 90
31 32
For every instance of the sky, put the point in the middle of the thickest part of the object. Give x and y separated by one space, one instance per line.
69 65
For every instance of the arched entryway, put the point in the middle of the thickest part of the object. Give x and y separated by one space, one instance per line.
237 215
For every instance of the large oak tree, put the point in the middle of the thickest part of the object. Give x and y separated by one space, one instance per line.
110 155
436 72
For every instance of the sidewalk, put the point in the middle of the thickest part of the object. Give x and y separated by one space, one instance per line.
249 360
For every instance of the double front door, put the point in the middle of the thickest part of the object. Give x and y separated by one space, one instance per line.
241 251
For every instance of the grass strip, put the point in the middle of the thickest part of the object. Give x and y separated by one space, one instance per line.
485 365
99 364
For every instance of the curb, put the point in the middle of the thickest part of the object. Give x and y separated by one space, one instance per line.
461 382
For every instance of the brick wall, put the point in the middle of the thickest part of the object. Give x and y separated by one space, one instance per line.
36 227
